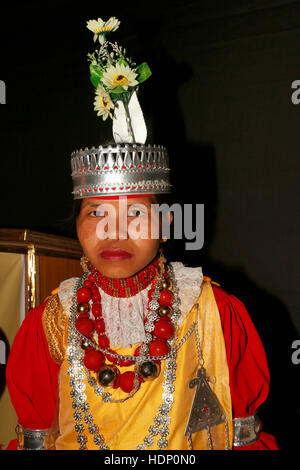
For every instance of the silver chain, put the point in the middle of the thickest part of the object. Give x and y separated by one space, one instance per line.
140 358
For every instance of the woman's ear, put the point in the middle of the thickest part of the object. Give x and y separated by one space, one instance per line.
169 219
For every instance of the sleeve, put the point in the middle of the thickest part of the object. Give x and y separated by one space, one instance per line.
32 375
247 362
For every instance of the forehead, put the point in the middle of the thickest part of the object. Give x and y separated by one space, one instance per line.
95 202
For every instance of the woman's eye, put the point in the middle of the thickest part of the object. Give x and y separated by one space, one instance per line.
136 212
96 213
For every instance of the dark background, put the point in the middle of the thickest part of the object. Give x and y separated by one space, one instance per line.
219 99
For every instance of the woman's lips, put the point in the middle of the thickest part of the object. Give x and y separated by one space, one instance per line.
115 255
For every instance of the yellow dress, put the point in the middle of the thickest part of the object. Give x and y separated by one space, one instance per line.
156 416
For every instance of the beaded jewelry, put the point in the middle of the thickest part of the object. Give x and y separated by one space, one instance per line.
159 326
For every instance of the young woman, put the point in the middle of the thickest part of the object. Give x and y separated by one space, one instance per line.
73 372
138 353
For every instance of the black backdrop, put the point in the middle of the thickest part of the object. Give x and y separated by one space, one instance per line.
219 99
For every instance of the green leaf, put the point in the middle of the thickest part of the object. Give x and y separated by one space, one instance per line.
143 72
122 61
117 90
96 74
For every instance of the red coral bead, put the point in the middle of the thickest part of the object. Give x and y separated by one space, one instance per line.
126 362
158 347
83 315
97 309
103 341
127 381
163 329
83 294
166 298
87 284
99 325
96 297
150 292
93 360
85 326
114 360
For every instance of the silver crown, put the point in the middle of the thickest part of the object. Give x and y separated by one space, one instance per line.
120 169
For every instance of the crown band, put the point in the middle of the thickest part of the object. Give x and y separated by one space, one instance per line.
120 169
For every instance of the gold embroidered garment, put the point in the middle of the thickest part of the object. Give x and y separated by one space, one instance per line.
136 421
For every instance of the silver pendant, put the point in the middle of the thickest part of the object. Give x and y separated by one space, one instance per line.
206 410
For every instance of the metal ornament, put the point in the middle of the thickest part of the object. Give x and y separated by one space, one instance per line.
120 169
132 128
206 410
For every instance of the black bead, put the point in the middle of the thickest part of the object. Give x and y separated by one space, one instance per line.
84 344
106 376
148 369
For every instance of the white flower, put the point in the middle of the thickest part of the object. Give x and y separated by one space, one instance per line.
119 75
100 27
103 103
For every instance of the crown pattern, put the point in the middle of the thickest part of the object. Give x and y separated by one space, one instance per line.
120 169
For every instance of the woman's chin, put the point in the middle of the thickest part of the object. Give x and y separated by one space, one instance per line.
116 269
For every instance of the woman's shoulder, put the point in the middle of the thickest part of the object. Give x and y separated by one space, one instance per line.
65 291
189 282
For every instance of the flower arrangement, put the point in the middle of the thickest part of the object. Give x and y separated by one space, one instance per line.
114 75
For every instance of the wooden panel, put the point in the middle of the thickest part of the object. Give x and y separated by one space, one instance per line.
49 260
11 270
19 240
54 270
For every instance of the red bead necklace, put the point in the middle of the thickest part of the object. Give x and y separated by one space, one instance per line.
129 286
105 363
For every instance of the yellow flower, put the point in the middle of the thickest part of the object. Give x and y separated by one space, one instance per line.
119 75
100 27
103 103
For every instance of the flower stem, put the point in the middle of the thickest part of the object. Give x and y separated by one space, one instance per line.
126 100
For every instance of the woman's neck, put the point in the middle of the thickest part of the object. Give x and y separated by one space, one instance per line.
127 287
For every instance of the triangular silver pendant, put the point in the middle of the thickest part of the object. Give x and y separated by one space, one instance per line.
206 409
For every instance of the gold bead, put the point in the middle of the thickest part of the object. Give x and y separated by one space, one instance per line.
167 284
83 307
165 310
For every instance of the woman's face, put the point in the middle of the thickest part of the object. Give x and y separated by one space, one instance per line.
115 234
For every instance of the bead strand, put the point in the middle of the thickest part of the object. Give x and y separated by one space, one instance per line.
158 324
